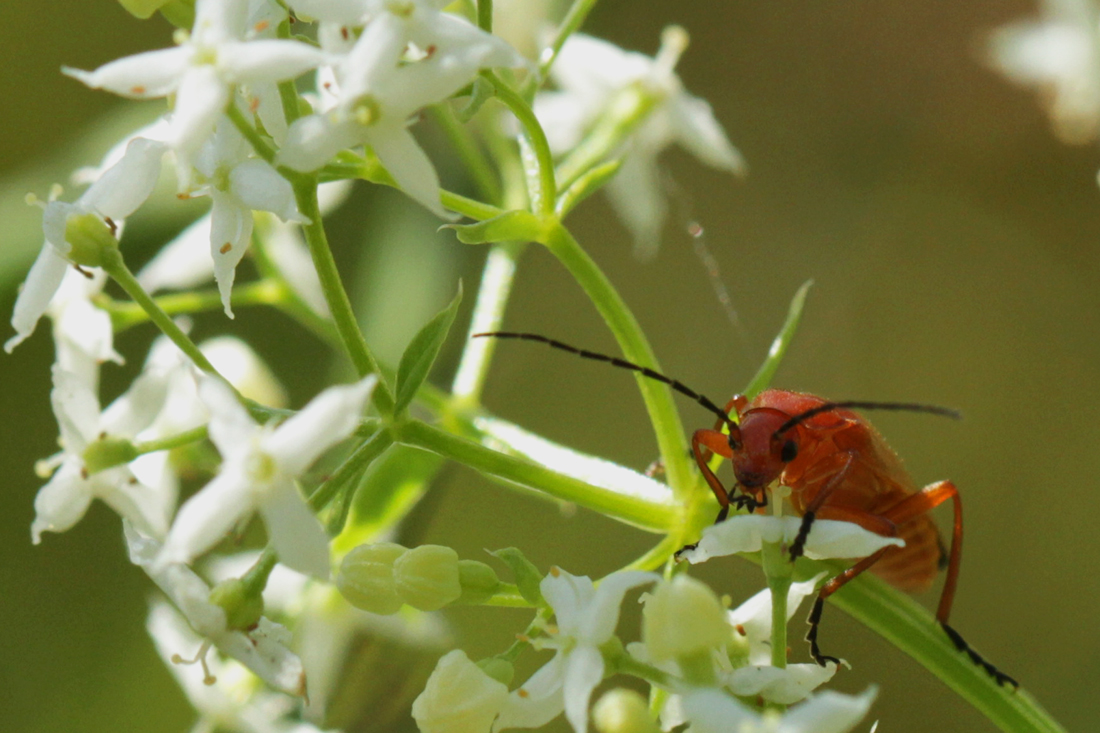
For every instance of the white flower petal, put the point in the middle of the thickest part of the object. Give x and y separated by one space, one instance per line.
141 505
261 188
135 410
142 76
828 538
312 141
295 533
828 712
231 427
407 162
458 698
128 183
76 408
569 595
183 263
38 290
330 417
713 711
698 132
538 701
230 234
61 503
200 101
583 671
266 60
783 686
602 615
208 516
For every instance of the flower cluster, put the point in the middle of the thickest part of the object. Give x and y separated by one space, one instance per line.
274 108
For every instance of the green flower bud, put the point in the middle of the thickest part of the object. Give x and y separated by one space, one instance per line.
683 617
89 237
180 13
499 669
623 711
427 577
107 453
479 581
366 577
242 609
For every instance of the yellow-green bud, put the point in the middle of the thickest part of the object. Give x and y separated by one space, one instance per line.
242 609
89 237
366 578
683 617
623 711
107 453
180 13
427 577
479 581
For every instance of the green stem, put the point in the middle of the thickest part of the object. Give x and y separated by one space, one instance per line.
362 457
114 266
643 512
474 160
777 569
255 580
492 297
578 11
544 196
173 441
127 315
305 193
485 15
635 347
254 138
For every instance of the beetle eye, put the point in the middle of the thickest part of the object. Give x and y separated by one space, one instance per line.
789 451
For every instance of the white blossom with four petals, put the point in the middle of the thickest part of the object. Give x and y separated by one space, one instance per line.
202 72
260 465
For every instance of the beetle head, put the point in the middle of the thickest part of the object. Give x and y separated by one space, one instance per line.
759 453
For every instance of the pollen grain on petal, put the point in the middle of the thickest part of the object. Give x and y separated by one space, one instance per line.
224 249
137 89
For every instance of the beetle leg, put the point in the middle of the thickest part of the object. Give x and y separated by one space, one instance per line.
827 590
915 505
811 510
713 441
738 403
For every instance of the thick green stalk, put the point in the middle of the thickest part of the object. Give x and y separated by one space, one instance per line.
635 347
640 511
305 193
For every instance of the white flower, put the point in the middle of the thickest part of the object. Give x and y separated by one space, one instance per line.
202 71
82 333
262 650
238 184
585 618
590 73
118 193
827 539
381 88
459 698
1061 55
259 468
713 711
62 502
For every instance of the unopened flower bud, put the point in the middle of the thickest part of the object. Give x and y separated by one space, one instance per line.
623 711
89 238
142 8
683 617
427 577
459 697
242 608
479 581
366 577
107 453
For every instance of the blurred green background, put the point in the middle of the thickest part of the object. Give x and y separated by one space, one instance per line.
953 242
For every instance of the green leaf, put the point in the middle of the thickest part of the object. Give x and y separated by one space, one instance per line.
421 353
511 226
779 346
587 185
527 575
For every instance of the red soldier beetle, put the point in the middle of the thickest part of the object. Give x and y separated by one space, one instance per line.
837 467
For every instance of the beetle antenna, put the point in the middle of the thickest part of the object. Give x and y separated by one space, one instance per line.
614 361
858 405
